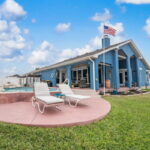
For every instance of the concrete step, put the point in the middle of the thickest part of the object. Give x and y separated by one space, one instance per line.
85 92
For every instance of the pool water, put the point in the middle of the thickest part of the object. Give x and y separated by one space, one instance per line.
27 89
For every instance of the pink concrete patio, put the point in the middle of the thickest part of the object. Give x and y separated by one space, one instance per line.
23 113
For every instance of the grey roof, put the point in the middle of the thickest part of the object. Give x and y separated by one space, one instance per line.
81 56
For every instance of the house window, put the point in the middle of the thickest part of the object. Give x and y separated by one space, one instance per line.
74 75
85 73
79 74
126 76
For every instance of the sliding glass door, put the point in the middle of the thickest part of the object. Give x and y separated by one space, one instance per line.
80 74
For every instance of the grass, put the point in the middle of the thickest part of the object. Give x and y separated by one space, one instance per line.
147 90
127 127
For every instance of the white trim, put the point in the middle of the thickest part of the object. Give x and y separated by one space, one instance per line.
104 64
79 68
123 57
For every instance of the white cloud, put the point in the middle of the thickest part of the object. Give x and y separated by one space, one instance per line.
10 9
10 71
26 31
86 49
3 25
134 1
66 53
42 55
147 27
63 27
11 40
33 20
69 53
96 42
13 59
102 17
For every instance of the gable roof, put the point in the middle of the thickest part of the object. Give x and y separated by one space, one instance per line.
93 55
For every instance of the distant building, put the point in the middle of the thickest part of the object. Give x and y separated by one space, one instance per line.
21 81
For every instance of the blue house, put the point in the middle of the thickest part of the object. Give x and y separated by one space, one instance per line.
113 66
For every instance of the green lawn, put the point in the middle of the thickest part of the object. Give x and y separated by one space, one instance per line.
148 90
127 127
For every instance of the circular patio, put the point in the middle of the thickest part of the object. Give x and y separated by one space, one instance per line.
86 112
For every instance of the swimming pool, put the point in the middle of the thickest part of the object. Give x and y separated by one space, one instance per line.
27 89
21 94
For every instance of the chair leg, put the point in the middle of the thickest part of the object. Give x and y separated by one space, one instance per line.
33 102
75 103
69 102
57 107
40 110
67 99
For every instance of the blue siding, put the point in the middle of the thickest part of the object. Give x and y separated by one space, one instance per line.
142 73
49 75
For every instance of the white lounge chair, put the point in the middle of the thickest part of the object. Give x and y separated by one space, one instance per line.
42 95
66 90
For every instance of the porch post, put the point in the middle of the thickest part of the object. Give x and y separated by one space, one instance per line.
91 76
138 72
116 71
97 73
129 72
54 78
69 75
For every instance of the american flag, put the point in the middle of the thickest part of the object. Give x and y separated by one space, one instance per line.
109 30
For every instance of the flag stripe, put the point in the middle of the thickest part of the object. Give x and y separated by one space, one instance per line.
109 30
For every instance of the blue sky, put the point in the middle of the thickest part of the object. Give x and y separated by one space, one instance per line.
37 33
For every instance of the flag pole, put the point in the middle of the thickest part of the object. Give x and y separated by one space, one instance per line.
104 67
111 32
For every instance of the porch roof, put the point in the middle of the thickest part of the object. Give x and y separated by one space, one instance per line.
93 55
